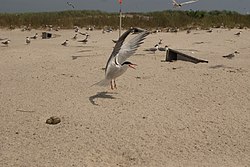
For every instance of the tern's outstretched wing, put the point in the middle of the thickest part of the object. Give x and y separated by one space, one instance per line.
118 46
188 2
129 48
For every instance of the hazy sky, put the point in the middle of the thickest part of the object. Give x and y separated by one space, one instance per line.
241 6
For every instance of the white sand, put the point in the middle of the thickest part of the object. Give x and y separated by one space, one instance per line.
162 114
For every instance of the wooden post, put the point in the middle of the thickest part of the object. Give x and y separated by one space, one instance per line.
120 27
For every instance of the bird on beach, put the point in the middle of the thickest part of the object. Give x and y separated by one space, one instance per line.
153 50
238 33
65 43
27 40
210 30
231 55
176 4
6 43
117 63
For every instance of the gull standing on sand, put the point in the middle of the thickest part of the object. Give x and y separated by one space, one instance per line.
6 43
27 40
117 64
176 4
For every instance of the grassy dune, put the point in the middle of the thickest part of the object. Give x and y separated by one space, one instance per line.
170 18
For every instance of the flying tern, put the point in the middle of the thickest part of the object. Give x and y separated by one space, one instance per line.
176 4
117 64
70 4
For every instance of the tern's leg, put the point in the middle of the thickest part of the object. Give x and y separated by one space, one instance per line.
115 85
111 84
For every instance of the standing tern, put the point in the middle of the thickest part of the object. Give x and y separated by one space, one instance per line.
238 33
117 64
176 4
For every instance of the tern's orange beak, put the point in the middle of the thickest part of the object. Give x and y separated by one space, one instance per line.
132 66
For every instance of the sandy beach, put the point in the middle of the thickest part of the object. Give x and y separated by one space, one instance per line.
163 114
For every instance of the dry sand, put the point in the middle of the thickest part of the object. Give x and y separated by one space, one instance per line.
162 114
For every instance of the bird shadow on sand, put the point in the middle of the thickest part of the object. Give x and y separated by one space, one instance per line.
76 57
102 95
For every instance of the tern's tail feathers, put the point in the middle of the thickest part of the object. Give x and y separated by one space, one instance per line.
104 82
